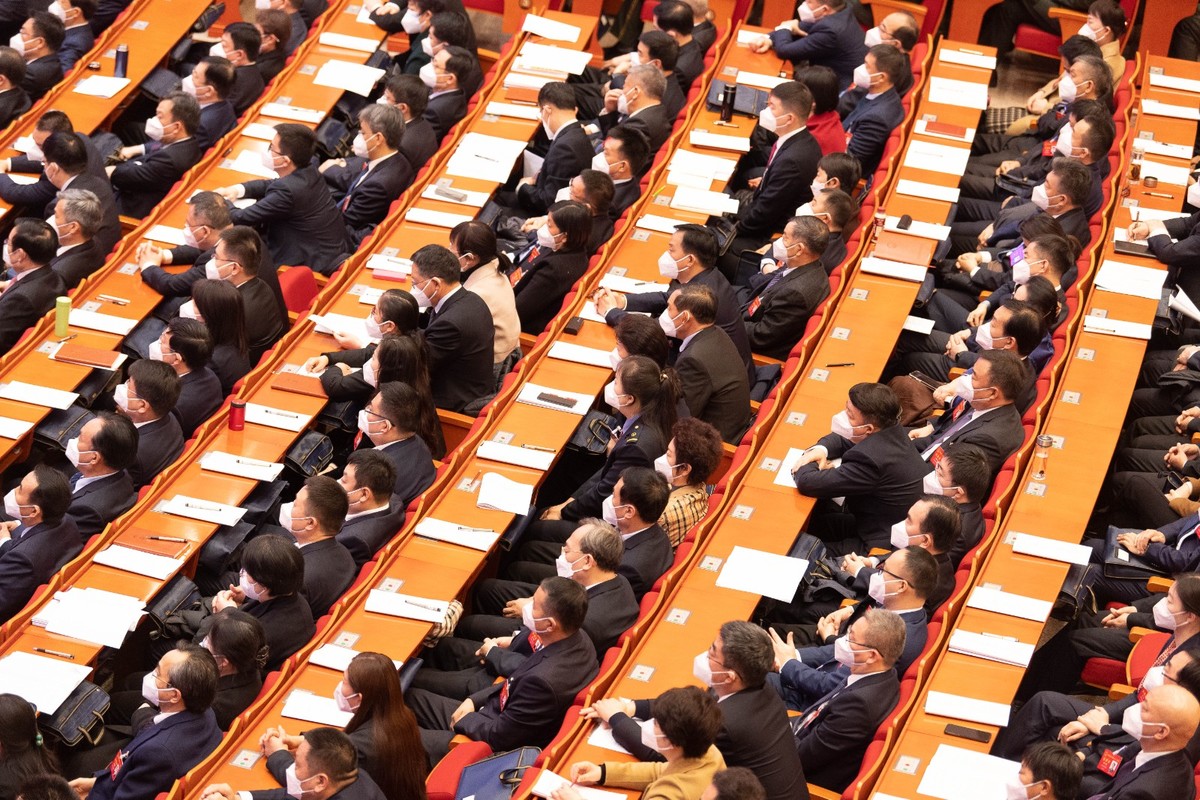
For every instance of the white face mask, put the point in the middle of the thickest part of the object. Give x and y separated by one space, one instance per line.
1193 194
612 398
411 22
600 163
262 5
12 508
1163 616
374 330
295 786
121 397
418 293
150 691
211 272
862 78
1063 145
1040 197
983 336
74 454
1015 790
343 701
1021 272
563 194
427 47
964 388
840 424
189 236
768 120
665 468
843 653
188 310
651 739
668 324
364 423
154 129
635 58
530 621
57 10
779 250
217 50
614 358
899 538
668 267
189 85
285 516
369 374
704 673
565 568
1086 30
156 351
248 589
608 511
34 153
18 44
360 146
1133 724
877 585
873 37
806 12
545 238
268 160
1154 678
623 105
429 76
1067 88
805 210
930 484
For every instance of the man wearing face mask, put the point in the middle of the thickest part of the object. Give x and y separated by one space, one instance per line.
68 165
239 259
414 19
1049 771
184 731
13 99
444 76
754 730
879 476
33 162
933 524
623 157
30 247
241 44
186 347
142 183
1175 242
313 520
101 489
388 424
570 150
792 284
302 224
210 82
38 540
38 42
458 330
899 30
371 517
827 34
527 708
639 106
410 94
147 398
836 209
1052 257
274 29
77 218
78 38
880 111
1015 326
325 767
365 197
594 189
207 216
962 475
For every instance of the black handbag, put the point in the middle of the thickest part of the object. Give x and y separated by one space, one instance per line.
496 777
1122 565
166 614
593 434
80 717
725 228
1076 596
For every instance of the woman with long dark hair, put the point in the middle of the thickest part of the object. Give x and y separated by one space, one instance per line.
219 305
23 754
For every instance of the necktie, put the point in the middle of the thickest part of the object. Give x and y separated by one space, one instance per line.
935 448
814 711
771 157
776 277
354 185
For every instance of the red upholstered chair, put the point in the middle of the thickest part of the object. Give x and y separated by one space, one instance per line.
442 783
1121 677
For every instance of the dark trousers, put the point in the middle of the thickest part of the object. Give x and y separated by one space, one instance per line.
433 714
1038 720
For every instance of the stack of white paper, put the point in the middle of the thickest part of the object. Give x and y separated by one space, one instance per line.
918 325
992 648
1182 151
746 37
341 323
96 321
760 81
1052 549
15 428
498 493
926 230
408 606
484 157
602 736
276 417
311 707
257 130
168 234
36 395
1174 82
516 455
357 78
965 58
1117 327
762 573
182 505
1013 605
294 113
620 283
658 223
336 657
230 464
549 782
688 179
936 157
548 58
474 538
45 682
359 43
93 615
894 269
718 141
101 86
967 708
703 202
24 144
513 110
525 80
23 180
138 562
386 266
565 351
578 403
550 29
1180 302
962 94
955 773
440 219
702 164
1130 279
1157 109
783 476
931 191
250 162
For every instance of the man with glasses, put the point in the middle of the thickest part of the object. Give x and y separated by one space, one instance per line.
389 423
238 258
313 519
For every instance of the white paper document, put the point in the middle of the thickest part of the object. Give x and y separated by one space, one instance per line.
762 573
525 80
703 202
1130 279
969 709
44 681
359 43
1009 604
101 86
293 113
332 656
182 505
138 562
894 269
926 230
749 37
463 535
97 321
956 773
1166 173
929 191
719 141
168 234
1159 109
14 428
24 144
1001 649
249 162
498 493
759 80
346 75
408 606
241 466
962 94
515 454
36 395
1183 304
513 110
918 325
556 399
626 285
966 59
276 417
550 29
257 130
440 219
702 164
550 58
565 351
547 782
1117 327
1052 549
783 476
942 158
311 707
658 223
1159 214
1158 78
922 128
691 181
484 157
340 323
602 736
22 180
386 266
1182 151
93 615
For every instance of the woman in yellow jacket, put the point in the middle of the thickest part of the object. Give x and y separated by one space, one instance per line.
684 726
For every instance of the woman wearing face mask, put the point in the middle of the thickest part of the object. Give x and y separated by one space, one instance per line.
383 729
639 335
395 311
23 753
684 726
484 270
219 305
824 123
238 643
542 277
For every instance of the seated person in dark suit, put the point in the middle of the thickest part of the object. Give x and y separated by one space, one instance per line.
207 216
570 150
545 272
325 767
366 196
69 165
528 707
184 683
792 284
1050 769
898 29
458 330
593 189
40 37
838 171
142 183
77 218
238 644
373 516
444 76
881 111
313 520
31 246
211 82
624 157
703 29
275 32
147 398
78 39
638 105
389 423
39 194
219 305
101 489
837 210
241 44
186 347
301 224
832 735
300 28
13 99
39 540
827 34
414 19
754 729
711 372
238 259
675 19
409 94
880 476
452 28
962 475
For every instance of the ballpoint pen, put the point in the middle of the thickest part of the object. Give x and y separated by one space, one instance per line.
49 652
178 539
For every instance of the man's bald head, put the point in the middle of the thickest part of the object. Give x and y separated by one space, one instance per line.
1175 708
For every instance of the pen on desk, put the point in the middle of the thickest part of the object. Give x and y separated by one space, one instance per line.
474 530
1159 194
841 364
177 539
280 413
539 448
202 507
724 124
970 52
252 462
49 652
67 338
108 298
425 606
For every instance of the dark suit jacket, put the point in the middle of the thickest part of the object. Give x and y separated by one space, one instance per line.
636 447
689 64
539 692
653 121
216 120
371 197
973 527
110 228
647 556
1171 775
298 35
419 144
328 572
363 787
24 303
288 622
570 153
31 560
624 195
835 41
459 341
880 477
199 397
835 252
235 693
40 75
544 283
832 745
444 111
100 502
414 468
779 321
1180 253
77 42
229 365
268 65
159 443
264 322
786 184
160 754
249 81
364 536
869 126
78 263
714 382
13 104
298 219
998 434
142 183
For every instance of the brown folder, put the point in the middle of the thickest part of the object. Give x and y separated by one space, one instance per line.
73 353
905 248
946 129
300 384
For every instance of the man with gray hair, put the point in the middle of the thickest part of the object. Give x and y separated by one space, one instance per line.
77 217
787 291
366 185
638 105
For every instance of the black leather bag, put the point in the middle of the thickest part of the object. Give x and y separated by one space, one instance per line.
496 777
593 434
1122 565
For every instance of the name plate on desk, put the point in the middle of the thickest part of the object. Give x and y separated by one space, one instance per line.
1052 549
969 709
894 269
275 418
1002 649
105 323
230 464
1117 327
956 773
928 191
1157 109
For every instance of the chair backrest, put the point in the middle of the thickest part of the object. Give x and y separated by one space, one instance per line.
299 288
